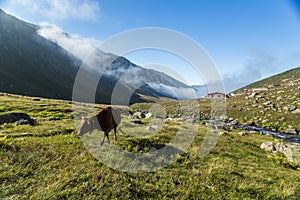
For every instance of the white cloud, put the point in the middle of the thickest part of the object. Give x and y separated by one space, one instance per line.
260 64
63 9
83 48
75 44
178 93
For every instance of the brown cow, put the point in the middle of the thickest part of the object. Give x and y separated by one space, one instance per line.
106 120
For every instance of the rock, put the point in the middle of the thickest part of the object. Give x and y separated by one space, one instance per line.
138 115
289 108
152 127
297 111
291 131
169 119
290 150
142 115
259 97
27 134
267 103
14 117
224 118
190 120
252 132
177 119
269 146
22 122
152 149
243 133
251 123
222 133
279 98
148 115
253 95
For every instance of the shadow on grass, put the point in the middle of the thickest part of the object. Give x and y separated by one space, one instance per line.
133 155
48 134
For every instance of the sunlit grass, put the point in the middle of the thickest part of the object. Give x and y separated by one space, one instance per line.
52 162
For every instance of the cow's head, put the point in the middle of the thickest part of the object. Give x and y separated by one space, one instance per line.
85 126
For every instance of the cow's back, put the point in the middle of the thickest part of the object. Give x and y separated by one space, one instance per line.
108 118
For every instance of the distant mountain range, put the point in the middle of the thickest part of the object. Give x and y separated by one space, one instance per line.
35 63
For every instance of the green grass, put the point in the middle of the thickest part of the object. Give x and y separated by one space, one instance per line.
58 166
290 74
283 90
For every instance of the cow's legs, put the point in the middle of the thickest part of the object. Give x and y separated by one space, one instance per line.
106 134
102 141
115 133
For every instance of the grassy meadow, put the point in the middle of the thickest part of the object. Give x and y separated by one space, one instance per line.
48 160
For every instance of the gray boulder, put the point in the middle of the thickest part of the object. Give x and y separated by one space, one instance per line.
148 115
290 150
267 103
22 122
279 98
18 118
253 95
269 146
289 108
222 133
190 120
297 111
251 123
291 131
243 133
138 115
142 115
152 127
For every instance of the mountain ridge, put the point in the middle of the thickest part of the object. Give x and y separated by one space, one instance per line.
36 66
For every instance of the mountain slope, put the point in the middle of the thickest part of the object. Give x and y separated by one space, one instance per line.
276 108
115 66
274 80
32 65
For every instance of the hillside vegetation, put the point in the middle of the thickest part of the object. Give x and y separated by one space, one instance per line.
277 108
48 161
276 79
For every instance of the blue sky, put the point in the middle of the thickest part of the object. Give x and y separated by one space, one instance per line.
247 39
